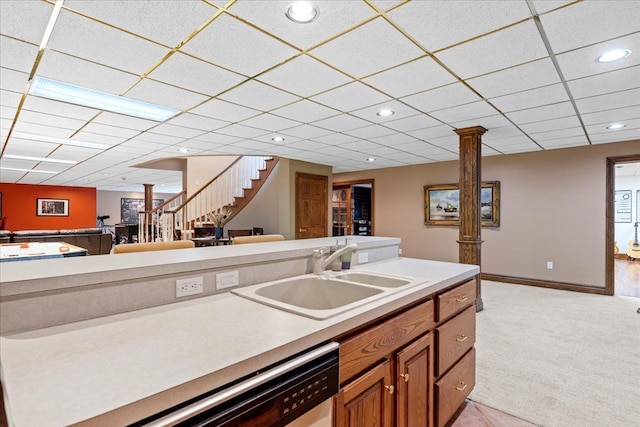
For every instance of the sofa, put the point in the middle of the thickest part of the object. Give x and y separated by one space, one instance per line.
94 240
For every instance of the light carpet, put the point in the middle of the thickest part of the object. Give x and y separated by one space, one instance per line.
559 358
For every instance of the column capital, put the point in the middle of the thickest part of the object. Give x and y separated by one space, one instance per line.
478 130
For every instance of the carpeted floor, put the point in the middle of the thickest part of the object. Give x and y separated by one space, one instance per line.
558 358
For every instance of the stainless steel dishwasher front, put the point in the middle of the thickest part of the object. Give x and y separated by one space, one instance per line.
274 397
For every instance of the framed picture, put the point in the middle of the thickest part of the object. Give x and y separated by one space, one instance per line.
622 202
129 209
442 204
52 207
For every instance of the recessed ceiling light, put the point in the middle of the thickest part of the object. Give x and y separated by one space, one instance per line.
38 159
385 112
183 150
616 126
302 12
277 139
613 55
65 92
371 159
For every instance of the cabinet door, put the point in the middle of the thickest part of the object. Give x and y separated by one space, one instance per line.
414 377
367 401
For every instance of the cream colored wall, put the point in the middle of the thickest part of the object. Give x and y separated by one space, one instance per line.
552 209
108 203
201 169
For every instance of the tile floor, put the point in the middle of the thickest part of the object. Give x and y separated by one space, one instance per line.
477 415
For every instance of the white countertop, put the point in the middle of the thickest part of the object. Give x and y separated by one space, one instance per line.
124 367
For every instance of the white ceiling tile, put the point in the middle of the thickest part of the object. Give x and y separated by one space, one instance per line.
488 122
178 131
400 110
12 80
307 131
284 151
158 23
544 6
157 138
334 18
352 96
369 132
217 138
16 54
450 142
515 79
238 47
195 75
222 110
25 20
621 135
341 123
258 95
305 111
336 139
506 48
291 77
165 95
546 112
241 131
92 41
609 101
394 139
432 132
545 95
412 123
584 23
456 20
582 62
415 146
7 113
612 116
39 129
368 49
268 138
360 145
554 124
416 76
68 69
98 138
34 103
98 128
602 128
257 146
196 121
497 135
9 102
553 144
440 98
27 147
306 145
66 152
558 134
502 142
270 122
473 110
520 148
614 81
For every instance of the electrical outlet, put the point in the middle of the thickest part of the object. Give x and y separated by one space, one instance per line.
228 279
400 251
190 286
363 257
549 265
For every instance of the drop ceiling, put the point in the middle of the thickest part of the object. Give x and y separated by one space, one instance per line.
241 73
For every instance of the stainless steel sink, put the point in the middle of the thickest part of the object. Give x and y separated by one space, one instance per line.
374 279
311 296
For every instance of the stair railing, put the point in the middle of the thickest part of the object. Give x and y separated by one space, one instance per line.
150 223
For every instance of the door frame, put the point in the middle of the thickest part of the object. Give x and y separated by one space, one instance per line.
361 181
609 278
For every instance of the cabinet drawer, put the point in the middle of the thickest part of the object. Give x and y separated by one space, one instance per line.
451 302
455 338
364 349
454 387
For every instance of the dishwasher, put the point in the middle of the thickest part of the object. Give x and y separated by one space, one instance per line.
275 396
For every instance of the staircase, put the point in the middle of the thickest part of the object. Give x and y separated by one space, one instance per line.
229 192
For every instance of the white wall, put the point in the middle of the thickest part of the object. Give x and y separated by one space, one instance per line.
625 231
108 203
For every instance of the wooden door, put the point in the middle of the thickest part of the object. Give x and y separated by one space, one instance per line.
341 211
311 205
414 378
366 401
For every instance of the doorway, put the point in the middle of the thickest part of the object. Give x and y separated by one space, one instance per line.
352 208
311 205
623 217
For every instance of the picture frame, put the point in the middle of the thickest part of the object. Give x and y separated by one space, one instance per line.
52 207
129 208
622 206
442 204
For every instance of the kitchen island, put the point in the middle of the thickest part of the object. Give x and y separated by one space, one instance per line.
111 344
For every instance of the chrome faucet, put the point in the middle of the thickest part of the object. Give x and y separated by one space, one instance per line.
319 263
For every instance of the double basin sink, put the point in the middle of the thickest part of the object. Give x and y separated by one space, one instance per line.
320 297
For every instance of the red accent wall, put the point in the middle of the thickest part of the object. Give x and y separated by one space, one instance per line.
19 207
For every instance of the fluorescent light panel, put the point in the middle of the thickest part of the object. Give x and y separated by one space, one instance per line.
65 92
39 159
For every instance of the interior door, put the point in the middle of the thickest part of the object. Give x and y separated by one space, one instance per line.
311 205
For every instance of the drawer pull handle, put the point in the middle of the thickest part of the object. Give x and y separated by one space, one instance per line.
405 377
463 298
464 385
461 338
389 388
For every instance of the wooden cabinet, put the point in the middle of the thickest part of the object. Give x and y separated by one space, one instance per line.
410 370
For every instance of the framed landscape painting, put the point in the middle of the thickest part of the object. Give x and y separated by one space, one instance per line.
442 204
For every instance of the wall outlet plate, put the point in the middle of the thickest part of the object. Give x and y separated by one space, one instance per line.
549 265
228 279
190 286
363 257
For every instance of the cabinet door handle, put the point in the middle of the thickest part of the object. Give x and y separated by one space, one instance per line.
302 230
405 377
389 388
463 298
464 385
461 338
